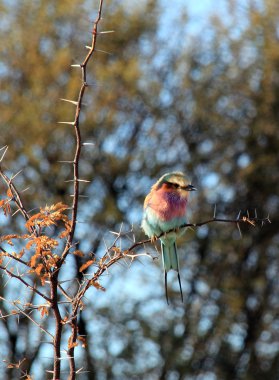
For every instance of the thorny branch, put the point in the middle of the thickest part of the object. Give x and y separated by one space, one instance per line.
83 66
14 193
78 103
237 221
25 283
114 253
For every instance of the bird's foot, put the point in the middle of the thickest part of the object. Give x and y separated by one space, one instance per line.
153 239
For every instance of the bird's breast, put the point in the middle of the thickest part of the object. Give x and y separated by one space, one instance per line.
169 205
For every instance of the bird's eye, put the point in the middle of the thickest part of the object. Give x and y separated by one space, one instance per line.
176 185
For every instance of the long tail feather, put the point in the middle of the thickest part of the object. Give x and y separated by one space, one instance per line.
170 261
166 287
181 293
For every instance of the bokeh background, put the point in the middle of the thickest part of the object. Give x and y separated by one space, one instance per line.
187 85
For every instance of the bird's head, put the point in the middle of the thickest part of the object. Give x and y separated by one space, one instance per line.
175 182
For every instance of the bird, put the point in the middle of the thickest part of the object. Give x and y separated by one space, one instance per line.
165 209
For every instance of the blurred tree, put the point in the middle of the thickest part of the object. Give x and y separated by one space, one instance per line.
162 100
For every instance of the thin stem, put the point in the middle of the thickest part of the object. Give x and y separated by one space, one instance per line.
13 275
5 253
58 327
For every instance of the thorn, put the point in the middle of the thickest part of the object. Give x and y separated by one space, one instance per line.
69 101
79 370
66 122
80 196
103 51
256 216
88 47
16 212
66 162
78 180
76 65
106 32
91 84
248 214
27 188
84 180
33 209
46 342
13 177
238 215
115 233
5 150
88 143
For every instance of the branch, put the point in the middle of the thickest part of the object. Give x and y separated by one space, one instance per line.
76 180
21 311
7 254
16 196
78 103
104 265
239 220
13 275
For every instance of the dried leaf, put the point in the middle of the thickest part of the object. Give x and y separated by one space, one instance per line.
97 285
78 253
39 269
5 205
44 310
49 215
9 193
30 243
72 344
20 254
64 234
7 238
86 265
33 260
83 341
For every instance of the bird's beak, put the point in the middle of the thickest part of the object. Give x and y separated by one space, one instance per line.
190 188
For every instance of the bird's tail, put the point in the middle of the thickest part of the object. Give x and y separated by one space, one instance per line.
170 261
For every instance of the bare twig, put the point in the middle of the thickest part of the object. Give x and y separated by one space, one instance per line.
16 196
7 254
13 275
21 311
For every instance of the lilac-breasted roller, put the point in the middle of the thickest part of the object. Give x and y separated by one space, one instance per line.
165 209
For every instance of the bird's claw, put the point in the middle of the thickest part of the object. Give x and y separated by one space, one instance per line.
153 239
